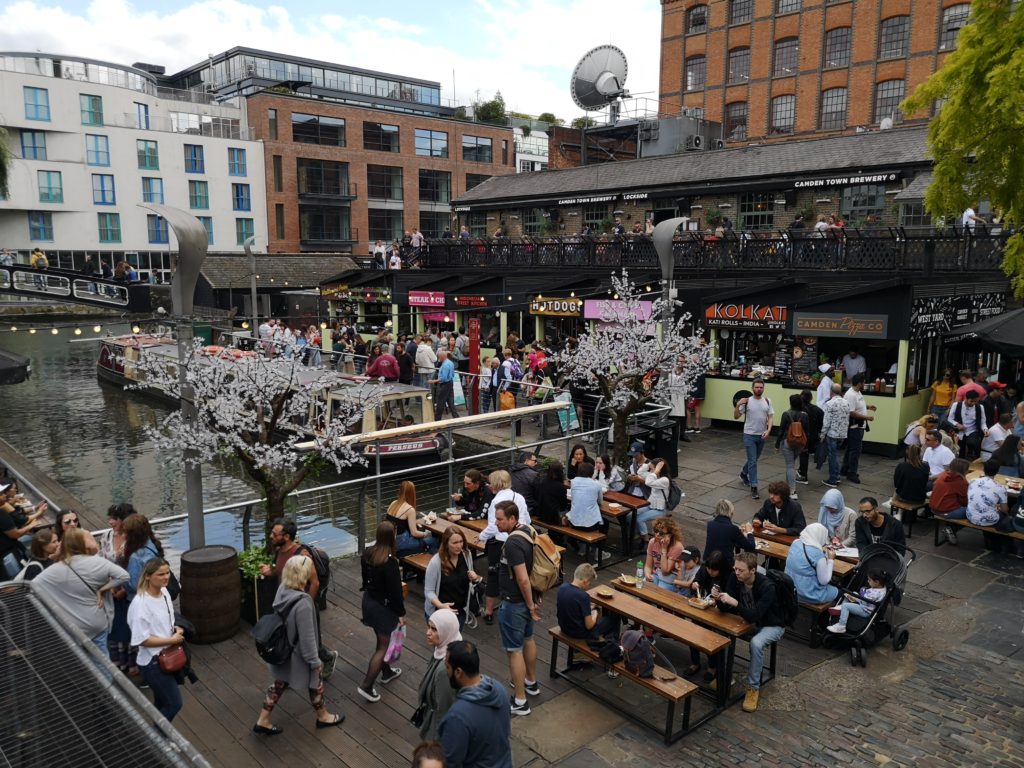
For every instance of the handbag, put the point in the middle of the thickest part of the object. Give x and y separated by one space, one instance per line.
172 659
416 719
507 400
394 651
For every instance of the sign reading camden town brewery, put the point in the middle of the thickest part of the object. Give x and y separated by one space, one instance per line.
571 307
769 317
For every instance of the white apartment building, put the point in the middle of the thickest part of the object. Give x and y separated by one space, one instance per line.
91 141
531 148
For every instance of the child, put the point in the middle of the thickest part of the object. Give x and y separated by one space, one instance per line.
871 594
688 571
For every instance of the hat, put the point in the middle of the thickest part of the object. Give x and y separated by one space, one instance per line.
691 553
636 448
996 385
824 367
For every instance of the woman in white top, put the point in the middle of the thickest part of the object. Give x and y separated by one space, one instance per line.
657 501
607 474
916 430
151 618
500 484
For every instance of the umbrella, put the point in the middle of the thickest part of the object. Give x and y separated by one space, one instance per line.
1003 333
14 369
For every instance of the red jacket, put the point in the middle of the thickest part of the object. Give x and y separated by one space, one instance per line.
948 493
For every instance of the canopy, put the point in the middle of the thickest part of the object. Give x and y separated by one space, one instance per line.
1003 333
14 369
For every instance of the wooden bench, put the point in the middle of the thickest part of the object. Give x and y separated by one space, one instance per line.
417 562
588 538
909 510
665 683
941 521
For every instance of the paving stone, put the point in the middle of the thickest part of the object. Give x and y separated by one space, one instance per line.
962 581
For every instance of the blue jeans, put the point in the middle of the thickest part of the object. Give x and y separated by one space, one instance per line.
853 609
764 637
851 460
644 515
940 411
753 444
166 696
957 514
832 448
408 544
515 625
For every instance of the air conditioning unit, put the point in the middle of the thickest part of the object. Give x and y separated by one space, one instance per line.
717 144
694 142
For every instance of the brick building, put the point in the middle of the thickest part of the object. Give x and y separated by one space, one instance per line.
775 69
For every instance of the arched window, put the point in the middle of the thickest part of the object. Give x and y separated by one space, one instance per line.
833 109
894 37
786 6
953 18
787 57
783 114
739 65
736 121
837 48
888 95
696 73
697 19
740 11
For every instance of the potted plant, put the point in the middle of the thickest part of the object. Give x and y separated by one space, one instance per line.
257 590
714 217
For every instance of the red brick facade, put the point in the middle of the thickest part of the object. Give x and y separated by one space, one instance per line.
870 60
357 158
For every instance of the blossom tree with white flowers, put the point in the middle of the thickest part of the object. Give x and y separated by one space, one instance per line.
630 363
268 413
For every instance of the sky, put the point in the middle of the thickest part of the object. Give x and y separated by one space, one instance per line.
525 48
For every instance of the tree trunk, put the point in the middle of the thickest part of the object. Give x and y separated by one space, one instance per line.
620 418
274 505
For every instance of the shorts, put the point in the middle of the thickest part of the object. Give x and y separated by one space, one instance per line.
515 625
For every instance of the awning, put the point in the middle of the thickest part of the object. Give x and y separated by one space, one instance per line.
1003 333
14 369
915 190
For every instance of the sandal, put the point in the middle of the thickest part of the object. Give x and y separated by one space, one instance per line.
263 730
338 720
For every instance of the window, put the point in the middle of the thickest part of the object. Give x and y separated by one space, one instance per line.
475 180
696 73
888 95
385 224
51 187
383 182
434 223
894 37
317 129
195 161
37 105
783 114
322 177
914 215
833 109
740 11
380 137
149 158
431 143
236 162
244 229
92 109
476 149
109 226
142 116
478 224
787 57
594 215
435 186
240 198
533 222
40 225
757 211
156 228
198 195
103 189
697 19
33 145
330 223
786 6
152 190
861 201
272 123
97 149
953 18
736 121
837 48
739 65
279 220
207 222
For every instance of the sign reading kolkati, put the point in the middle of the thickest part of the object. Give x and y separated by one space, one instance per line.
557 307
839 324
765 316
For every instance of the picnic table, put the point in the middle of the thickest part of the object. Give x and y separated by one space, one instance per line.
777 545
628 505
1011 484
439 526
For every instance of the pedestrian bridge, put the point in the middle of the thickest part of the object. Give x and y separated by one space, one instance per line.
66 286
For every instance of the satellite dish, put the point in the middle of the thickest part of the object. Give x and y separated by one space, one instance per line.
599 78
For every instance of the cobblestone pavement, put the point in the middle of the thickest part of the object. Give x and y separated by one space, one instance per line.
953 697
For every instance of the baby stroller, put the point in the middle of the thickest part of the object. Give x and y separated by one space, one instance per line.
863 632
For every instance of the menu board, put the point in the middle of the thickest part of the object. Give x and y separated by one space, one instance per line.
784 358
805 358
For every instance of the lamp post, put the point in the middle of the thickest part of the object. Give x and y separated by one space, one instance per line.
192 244
662 237
252 285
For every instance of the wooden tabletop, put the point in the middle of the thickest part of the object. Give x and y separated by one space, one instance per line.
776 546
477 524
440 525
627 502
1003 480
731 624
683 630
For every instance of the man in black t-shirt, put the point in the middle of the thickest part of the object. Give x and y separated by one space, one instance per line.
518 608
576 617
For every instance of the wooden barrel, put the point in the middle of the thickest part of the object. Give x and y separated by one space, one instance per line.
211 592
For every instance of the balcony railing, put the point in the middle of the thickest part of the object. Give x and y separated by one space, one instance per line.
886 250
343 191
328 239
214 126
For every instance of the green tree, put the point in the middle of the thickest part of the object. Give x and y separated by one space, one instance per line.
549 117
583 122
492 111
5 164
976 136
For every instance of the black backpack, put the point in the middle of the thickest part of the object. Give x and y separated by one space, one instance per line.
638 654
322 565
785 593
271 636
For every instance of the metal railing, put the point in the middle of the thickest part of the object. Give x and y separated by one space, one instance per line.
60 284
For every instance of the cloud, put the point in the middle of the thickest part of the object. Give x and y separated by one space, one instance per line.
525 49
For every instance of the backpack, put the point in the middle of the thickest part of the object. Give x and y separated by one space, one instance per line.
785 593
516 368
638 654
796 435
673 497
322 564
547 562
271 636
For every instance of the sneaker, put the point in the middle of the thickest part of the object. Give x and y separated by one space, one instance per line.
836 628
830 483
328 664
750 700
744 479
386 678
691 430
802 479
371 695
753 493
792 495
520 710
697 431
612 674
604 556
533 689
949 533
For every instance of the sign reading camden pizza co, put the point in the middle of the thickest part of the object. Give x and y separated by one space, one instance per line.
858 326
756 316
571 307
426 299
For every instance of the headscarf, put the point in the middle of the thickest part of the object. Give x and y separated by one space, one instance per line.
447 625
832 500
814 535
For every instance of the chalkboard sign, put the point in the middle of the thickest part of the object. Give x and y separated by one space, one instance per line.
805 358
784 358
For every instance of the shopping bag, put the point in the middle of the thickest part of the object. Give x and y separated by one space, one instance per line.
394 650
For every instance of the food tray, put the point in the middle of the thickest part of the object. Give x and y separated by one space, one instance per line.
700 603
631 580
